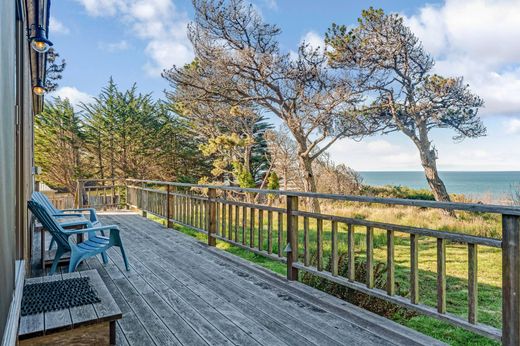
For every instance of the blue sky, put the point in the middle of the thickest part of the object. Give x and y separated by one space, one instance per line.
133 40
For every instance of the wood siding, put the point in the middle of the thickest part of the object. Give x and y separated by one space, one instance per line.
16 147
7 156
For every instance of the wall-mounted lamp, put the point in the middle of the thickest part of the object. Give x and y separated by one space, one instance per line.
39 42
39 88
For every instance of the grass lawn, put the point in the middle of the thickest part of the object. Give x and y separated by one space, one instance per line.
489 262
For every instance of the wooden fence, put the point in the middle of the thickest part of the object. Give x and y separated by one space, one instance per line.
61 200
230 214
101 193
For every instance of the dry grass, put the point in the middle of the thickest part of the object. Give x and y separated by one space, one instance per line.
480 224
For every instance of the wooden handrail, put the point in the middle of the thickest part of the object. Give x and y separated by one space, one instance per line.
472 207
212 210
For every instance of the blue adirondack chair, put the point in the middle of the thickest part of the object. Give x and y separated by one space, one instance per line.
78 212
93 246
92 221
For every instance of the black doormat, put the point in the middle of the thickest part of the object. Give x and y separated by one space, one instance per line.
57 295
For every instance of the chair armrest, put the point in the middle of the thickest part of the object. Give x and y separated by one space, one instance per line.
92 211
93 229
84 222
67 215
78 209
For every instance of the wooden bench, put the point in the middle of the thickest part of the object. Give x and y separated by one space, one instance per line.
92 324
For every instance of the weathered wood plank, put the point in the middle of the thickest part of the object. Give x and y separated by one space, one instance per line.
441 276
472 283
157 330
334 248
211 218
168 215
204 328
285 325
223 215
260 229
306 249
351 265
390 265
132 329
319 245
414 268
280 234
201 214
56 320
244 219
292 237
169 311
107 309
252 328
82 314
97 334
32 325
218 219
269 232
237 218
252 228
235 325
510 280
192 211
370 257
229 220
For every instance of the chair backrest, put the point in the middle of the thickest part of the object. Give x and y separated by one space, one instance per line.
49 223
42 198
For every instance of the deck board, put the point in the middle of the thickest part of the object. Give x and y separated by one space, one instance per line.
181 292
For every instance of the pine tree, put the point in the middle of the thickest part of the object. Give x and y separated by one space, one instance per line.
59 141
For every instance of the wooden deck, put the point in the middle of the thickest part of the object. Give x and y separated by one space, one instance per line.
181 292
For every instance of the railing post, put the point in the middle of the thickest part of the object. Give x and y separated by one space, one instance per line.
168 223
212 215
510 280
127 205
292 237
113 190
79 193
143 207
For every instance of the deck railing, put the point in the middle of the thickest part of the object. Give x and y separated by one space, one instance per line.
236 216
100 193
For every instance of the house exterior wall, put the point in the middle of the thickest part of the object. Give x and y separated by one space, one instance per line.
7 156
16 155
24 145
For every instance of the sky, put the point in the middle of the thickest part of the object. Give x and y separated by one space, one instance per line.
134 40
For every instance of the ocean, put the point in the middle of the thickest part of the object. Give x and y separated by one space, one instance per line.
494 185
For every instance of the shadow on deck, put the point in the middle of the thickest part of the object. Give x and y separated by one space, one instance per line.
181 292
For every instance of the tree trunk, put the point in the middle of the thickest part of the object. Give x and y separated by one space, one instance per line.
309 183
100 157
429 163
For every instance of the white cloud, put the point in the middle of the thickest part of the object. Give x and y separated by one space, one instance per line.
115 46
57 27
158 22
74 95
102 7
477 39
381 146
512 126
271 4
314 40
378 154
